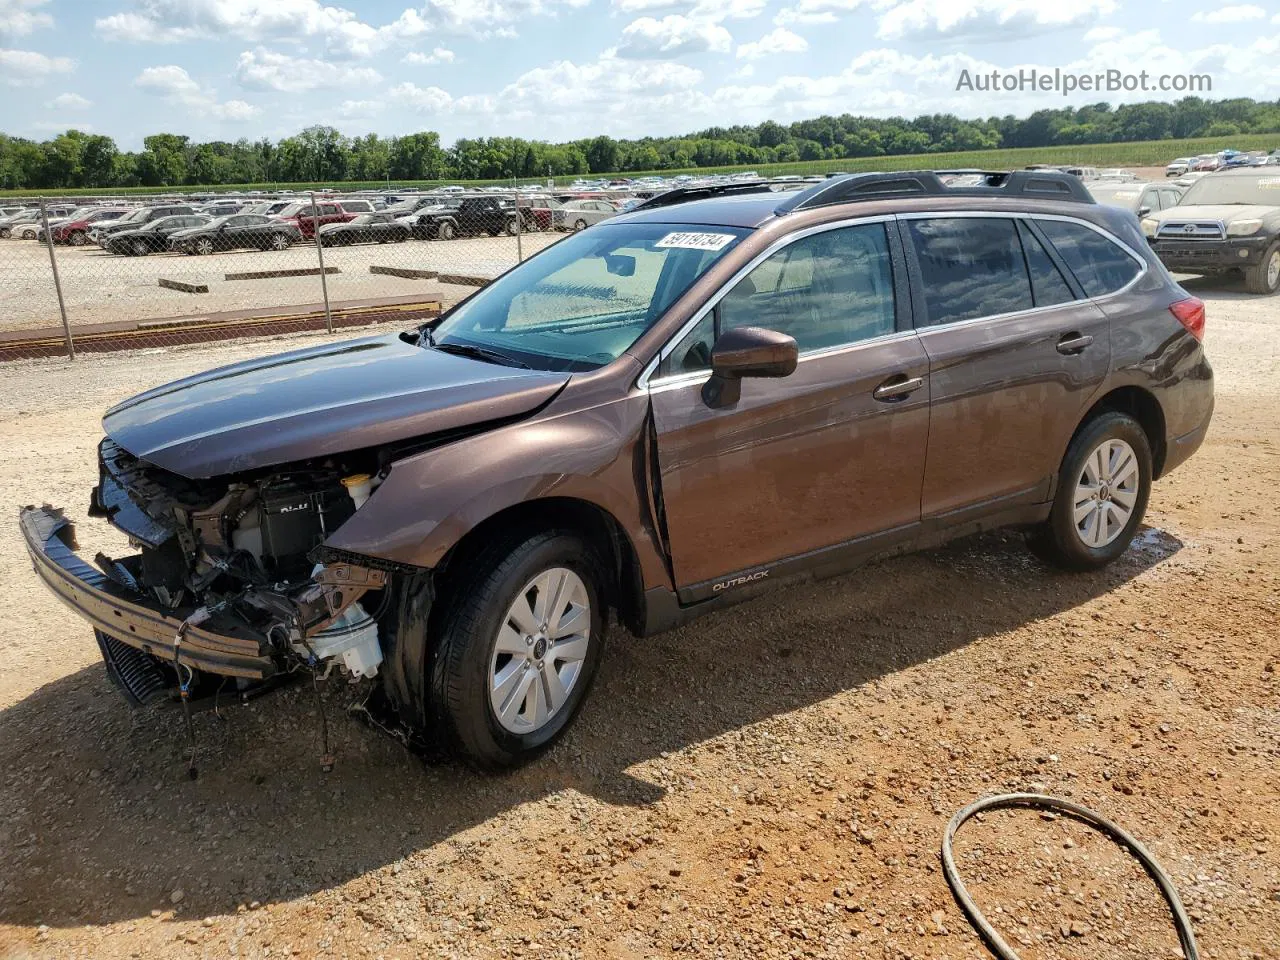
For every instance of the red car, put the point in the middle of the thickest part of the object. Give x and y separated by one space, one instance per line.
328 211
76 232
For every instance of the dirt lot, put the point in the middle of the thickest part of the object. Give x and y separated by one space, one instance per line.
99 287
770 782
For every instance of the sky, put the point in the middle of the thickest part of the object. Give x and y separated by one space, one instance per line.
560 69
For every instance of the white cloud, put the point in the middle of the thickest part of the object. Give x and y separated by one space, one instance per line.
778 40
341 31
1238 13
988 19
438 55
360 108
673 36
177 87
817 11
267 70
20 17
713 11
69 101
1099 34
25 68
422 99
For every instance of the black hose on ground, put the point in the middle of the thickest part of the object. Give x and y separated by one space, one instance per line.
1036 801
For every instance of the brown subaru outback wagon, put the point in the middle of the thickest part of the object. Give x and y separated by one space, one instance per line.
724 390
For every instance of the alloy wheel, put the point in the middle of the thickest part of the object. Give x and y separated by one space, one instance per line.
279 242
1106 493
204 247
540 649
1273 270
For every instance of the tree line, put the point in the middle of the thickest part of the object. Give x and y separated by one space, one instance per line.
322 154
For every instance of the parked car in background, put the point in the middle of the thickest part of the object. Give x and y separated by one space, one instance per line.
99 232
1229 221
646 422
1137 198
238 232
328 211
268 208
538 212
74 230
365 228
27 226
1178 167
224 208
579 214
468 216
151 237
13 226
1207 164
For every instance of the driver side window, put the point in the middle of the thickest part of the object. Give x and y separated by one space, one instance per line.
826 290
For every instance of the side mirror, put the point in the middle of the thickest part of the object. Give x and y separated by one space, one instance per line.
1143 211
747 352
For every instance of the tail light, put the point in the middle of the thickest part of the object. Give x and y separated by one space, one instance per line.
1190 313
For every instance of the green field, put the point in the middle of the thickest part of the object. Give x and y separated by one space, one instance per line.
1144 153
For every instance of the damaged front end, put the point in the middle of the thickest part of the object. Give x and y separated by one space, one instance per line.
225 585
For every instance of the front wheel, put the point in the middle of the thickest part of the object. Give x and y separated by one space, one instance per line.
141 248
280 242
1265 276
1103 488
445 231
204 247
518 649
579 226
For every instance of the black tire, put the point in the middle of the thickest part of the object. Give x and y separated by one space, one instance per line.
446 231
1256 278
459 665
141 248
1057 541
5 233
78 238
579 226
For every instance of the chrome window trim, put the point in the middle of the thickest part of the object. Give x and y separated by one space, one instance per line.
782 242
645 381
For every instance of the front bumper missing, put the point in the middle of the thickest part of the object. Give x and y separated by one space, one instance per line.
221 645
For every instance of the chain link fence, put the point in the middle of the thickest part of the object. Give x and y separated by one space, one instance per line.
129 273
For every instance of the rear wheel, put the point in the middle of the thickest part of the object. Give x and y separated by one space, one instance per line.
140 248
280 241
1103 488
203 247
446 231
1265 276
5 233
517 649
579 226
78 238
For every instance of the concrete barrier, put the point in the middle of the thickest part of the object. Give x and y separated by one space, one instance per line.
464 279
183 286
406 272
275 274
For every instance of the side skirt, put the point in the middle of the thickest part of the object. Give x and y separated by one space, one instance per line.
666 609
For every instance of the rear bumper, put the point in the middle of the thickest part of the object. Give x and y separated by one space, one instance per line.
1179 449
226 649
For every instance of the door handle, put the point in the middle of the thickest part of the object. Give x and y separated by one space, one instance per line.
897 388
1073 343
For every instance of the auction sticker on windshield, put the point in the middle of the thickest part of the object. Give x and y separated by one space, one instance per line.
695 241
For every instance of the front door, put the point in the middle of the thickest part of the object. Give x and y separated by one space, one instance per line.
831 454
1016 352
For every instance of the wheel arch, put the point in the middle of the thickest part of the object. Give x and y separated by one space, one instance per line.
595 524
1143 406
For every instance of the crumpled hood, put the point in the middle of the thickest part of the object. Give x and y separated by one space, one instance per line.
316 402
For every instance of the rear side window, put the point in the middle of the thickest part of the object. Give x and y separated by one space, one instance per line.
1100 265
1048 286
970 267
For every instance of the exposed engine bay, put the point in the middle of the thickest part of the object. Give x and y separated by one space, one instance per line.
241 549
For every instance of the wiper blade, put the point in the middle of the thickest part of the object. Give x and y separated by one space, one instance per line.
480 353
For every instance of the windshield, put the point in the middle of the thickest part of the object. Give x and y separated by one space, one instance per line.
579 304
1219 188
1118 196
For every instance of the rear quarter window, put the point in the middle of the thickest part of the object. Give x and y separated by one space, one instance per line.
1099 264
970 267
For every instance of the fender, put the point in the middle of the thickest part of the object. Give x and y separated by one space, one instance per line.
431 500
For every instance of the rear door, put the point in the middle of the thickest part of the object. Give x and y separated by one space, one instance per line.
830 455
1016 352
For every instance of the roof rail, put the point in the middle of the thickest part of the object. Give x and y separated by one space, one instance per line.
1035 184
685 194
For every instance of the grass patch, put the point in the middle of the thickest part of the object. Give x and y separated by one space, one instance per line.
1142 153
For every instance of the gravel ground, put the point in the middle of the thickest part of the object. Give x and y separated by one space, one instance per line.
99 287
771 781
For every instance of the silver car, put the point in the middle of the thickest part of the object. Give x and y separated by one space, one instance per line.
1138 198
579 214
